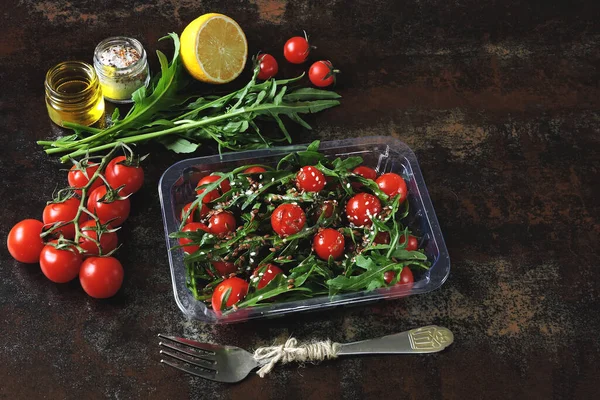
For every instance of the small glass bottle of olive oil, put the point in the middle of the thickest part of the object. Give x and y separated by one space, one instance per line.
73 94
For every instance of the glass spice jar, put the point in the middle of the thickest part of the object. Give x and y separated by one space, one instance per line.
122 67
73 94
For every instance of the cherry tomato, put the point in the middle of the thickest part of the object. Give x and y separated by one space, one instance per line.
382 238
329 242
322 74
406 276
412 244
266 273
194 214
268 66
288 219
113 209
361 208
310 179
121 172
78 178
296 50
101 277
224 187
254 170
326 208
191 227
237 288
24 242
393 185
365 172
60 265
63 212
224 268
108 240
221 223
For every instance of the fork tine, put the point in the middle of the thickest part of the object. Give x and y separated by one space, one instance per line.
186 358
202 373
208 358
207 347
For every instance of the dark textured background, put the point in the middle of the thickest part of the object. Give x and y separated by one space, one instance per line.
499 100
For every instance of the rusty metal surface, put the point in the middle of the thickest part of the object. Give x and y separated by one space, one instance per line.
499 100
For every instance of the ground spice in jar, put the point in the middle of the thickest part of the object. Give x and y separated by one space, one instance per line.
122 67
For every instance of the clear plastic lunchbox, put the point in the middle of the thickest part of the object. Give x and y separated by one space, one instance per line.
384 154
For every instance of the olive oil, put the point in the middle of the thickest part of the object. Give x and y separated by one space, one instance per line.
73 94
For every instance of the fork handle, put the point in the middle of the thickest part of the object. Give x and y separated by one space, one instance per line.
428 339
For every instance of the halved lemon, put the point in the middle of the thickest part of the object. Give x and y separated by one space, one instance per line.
214 48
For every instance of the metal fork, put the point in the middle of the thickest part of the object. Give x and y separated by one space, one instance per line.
232 364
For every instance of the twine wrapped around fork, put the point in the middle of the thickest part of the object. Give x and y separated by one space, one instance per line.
290 351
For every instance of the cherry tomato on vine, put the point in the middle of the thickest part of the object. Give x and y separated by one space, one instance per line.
60 265
112 208
288 219
79 176
101 277
224 187
236 288
224 268
24 242
329 243
254 170
63 212
221 223
406 276
108 240
266 273
191 227
268 66
121 171
361 208
296 50
310 179
393 185
194 216
322 73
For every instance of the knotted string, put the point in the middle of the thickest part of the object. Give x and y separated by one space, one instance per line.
288 352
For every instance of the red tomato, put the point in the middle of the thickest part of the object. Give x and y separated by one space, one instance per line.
326 208
329 242
266 273
101 277
224 268
221 223
79 176
382 238
310 179
63 212
109 209
322 74
191 227
365 172
361 208
194 214
121 172
268 66
237 288
254 170
24 242
288 219
393 185
62 265
224 187
412 244
406 277
296 50
108 240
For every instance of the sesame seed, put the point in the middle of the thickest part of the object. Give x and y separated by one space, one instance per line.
260 176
